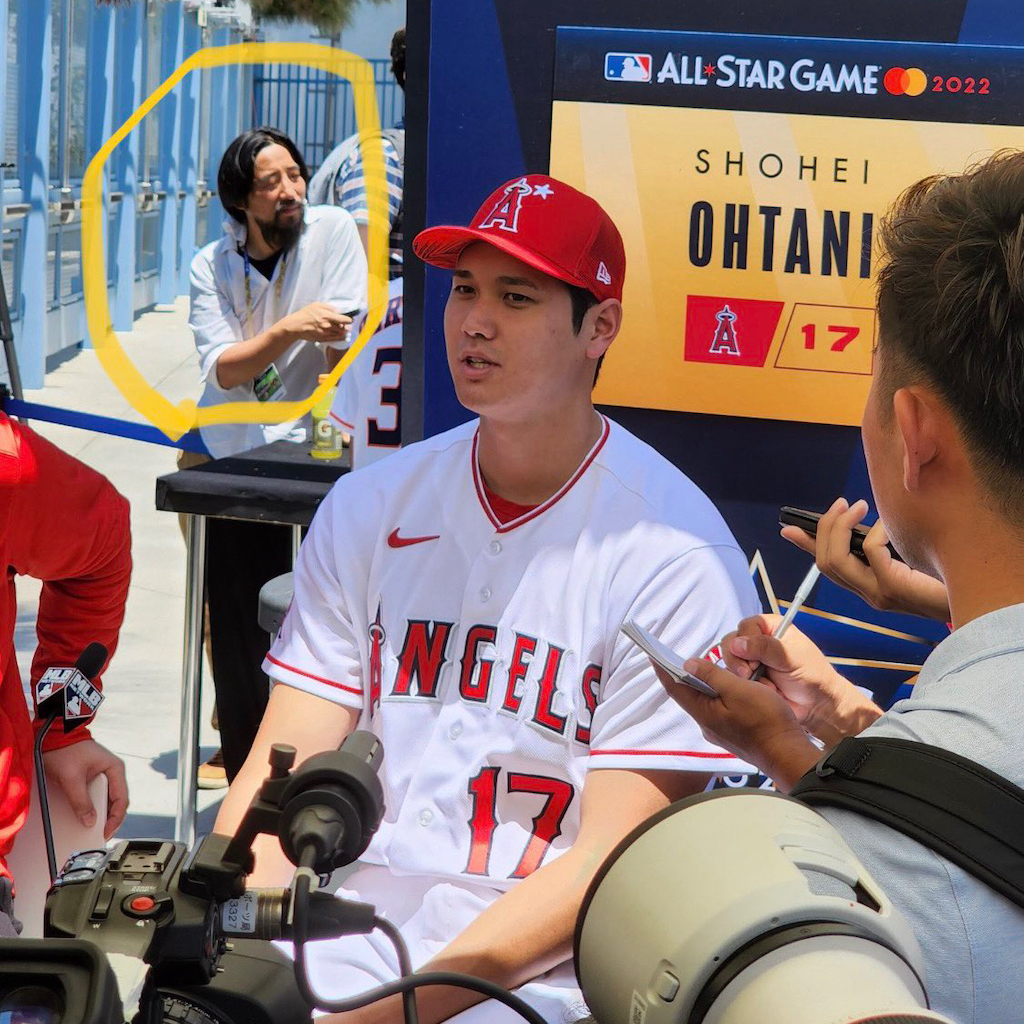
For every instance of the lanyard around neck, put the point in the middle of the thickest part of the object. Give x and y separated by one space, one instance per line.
248 287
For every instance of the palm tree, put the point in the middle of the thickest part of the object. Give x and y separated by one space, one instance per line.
329 16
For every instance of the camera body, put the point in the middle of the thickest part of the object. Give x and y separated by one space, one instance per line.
142 903
141 932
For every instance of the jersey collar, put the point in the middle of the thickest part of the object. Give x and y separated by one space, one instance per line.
544 506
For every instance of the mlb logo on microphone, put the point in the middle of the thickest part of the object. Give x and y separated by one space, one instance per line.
627 67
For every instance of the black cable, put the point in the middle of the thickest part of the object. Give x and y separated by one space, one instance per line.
300 927
44 804
300 924
449 978
404 967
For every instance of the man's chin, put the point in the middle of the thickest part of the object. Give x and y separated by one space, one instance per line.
283 235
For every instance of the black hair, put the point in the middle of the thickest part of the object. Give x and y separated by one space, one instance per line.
238 166
582 300
951 309
398 57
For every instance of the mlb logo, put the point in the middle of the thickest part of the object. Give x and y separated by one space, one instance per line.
627 67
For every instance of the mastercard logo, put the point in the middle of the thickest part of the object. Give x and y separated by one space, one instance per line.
905 81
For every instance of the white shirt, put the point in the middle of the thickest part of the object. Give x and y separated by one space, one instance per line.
488 657
368 404
326 265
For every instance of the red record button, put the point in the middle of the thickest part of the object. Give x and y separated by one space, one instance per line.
142 904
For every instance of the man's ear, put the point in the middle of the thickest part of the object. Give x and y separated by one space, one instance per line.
600 325
918 422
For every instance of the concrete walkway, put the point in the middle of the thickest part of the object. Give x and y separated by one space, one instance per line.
139 719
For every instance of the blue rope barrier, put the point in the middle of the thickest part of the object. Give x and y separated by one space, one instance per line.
190 442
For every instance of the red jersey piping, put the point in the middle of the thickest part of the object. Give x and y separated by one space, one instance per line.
309 675
347 426
544 506
663 753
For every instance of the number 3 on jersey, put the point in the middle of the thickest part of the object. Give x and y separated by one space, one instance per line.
556 797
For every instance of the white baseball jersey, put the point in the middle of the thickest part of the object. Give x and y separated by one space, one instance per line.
368 404
488 656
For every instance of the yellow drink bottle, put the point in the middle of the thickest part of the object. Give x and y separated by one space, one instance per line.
326 436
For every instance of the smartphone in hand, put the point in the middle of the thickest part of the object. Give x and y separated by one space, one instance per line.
808 522
664 657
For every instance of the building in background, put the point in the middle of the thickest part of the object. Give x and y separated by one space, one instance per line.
72 72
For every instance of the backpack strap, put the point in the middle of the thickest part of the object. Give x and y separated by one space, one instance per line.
950 804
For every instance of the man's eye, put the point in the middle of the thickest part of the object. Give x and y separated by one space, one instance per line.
462 289
517 297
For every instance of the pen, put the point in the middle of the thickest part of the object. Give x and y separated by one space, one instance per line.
803 592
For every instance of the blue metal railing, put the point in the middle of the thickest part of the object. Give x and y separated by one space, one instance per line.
315 108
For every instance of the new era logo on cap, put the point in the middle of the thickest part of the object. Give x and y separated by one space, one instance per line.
545 223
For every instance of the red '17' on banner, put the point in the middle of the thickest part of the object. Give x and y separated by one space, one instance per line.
728 330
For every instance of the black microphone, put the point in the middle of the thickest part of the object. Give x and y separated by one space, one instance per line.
71 694
332 804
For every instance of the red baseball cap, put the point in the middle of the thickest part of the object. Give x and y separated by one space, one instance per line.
547 224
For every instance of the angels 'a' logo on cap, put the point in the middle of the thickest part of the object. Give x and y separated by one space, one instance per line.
504 214
602 274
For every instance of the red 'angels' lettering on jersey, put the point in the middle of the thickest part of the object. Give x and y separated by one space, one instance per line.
421 664
544 714
422 657
590 685
378 636
476 686
522 654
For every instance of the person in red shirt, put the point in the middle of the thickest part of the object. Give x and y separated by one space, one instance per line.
66 525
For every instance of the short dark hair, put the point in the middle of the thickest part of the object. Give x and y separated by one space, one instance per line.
398 56
951 309
582 300
238 166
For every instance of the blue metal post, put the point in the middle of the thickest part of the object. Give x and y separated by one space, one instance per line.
130 41
188 161
218 138
99 107
34 69
170 141
232 124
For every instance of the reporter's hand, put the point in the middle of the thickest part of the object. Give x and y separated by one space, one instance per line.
824 703
884 583
73 768
318 322
750 719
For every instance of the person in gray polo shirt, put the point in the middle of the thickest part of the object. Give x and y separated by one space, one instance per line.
943 434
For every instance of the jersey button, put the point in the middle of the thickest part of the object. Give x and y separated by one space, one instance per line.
495 547
455 731
426 817
485 594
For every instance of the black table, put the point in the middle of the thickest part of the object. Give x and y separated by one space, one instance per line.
275 483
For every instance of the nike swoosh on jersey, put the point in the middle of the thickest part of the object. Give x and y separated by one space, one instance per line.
394 541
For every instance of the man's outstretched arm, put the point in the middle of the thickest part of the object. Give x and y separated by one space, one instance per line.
528 930
306 722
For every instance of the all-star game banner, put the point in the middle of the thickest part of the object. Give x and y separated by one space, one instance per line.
748 175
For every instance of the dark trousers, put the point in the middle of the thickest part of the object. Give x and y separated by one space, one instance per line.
240 558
